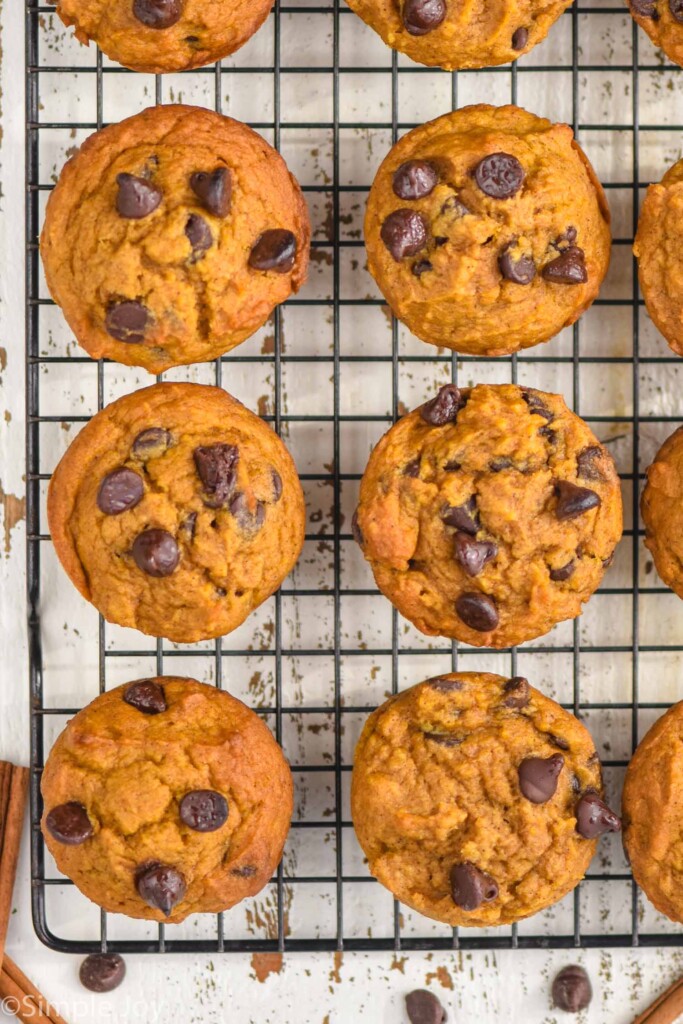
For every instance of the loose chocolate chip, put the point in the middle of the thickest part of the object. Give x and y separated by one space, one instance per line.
586 460
518 692
250 520
463 517
572 990
214 189
120 490
558 741
520 37
568 268
423 16
158 13
472 554
146 696
573 501
424 1008
443 738
161 886
198 234
594 818
204 810
277 485
126 321
519 271
444 408
136 197
412 469
470 886
676 8
564 572
356 530
443 684
156 552
69 824
499 175
274 250
478 611
538 777
415 179
404 233
421 267
246 871
151 443
216 466
102 972
536 404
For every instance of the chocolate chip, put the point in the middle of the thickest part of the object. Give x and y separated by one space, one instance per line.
156 552
198 234
606 562
404 232
518 692
443 738
146 696
499 464
424 1008
572 990
444 408
412 469
576 784
520 37
586 460
645 9
520 271
499 175
463 517
573 501
568 268
151 443
249 519
423 16
216 466
158 13
440 240
69 824
548 433
676 8
470 886
274 250
277 485
160 885
564 572
246 871
120 490
444 684
356 530
415 179
536 404
478 611
472 554
214 189
136 197
538 777
452 466
594 818
102 972
203 810
126 321
558 741
421 267
566 239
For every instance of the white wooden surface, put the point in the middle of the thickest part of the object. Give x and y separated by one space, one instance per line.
307 989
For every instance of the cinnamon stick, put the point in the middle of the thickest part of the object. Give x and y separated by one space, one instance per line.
13 791
666 1008
18 995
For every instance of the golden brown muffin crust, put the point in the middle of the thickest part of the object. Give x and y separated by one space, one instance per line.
661 506
235 544
436 783
653 814
454 288
490 490
189 33
468 35
130 771
183 269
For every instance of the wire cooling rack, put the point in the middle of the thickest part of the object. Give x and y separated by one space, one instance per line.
331 372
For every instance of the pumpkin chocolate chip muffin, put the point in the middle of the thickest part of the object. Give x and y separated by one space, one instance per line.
658 247
487 230
176 511
165 35
166 797
452 35
663 22
489 514
661 506
477 800
170 237
653 813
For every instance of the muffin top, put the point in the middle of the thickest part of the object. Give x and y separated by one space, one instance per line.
476 799
171 236
662 510
663 22
166 797
176 511
489 514
165 35
487 230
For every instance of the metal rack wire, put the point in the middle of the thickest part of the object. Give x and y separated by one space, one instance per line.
395 648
